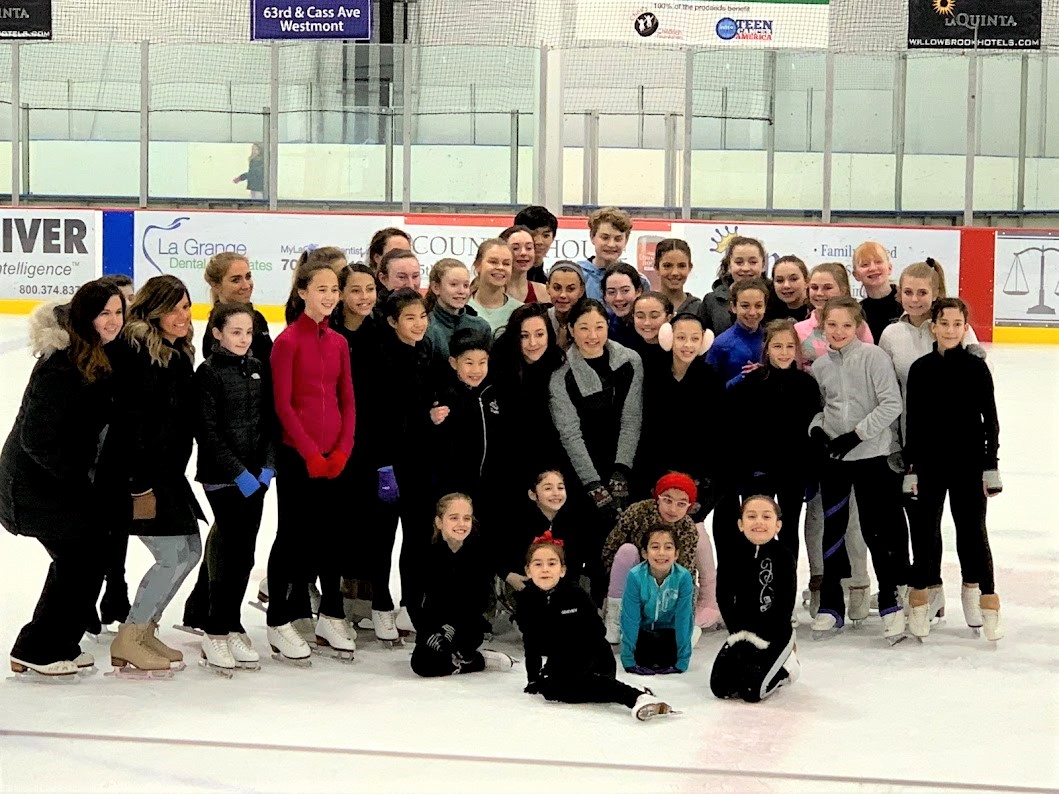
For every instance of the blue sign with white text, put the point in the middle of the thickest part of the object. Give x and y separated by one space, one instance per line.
310 19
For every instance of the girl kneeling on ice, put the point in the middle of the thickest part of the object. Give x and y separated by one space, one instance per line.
560 622
755 589
449 617
657 608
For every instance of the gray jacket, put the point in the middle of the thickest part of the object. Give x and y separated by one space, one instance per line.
598 429
860 392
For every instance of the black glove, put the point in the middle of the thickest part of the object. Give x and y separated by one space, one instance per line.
619 489
533 687
441 640
842 445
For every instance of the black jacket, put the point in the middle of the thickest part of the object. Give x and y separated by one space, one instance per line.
716 309
158 416
787 399
367 366
534 444
756 589
510 539
49 477
235 429
880 312
260 346
951 417
468 442
563 625
695 406
456 590
407 390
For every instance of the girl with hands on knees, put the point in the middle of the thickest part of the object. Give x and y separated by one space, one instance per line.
455 594
657 608
559 623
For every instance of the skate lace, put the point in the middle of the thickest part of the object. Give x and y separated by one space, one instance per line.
386 619
238 644
339 626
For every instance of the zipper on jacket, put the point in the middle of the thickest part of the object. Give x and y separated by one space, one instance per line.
485 435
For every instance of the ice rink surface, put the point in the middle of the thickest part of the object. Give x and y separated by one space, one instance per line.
952 714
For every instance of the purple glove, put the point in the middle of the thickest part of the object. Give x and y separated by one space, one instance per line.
388 492
638 670
667 671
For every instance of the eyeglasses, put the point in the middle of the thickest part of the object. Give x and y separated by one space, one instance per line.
669 501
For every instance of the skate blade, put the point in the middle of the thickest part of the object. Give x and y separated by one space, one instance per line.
976 631
87 670
223 672
895 640
177 667
325 650
279 657
131 673
250 667
650 711
188 629
258 605
827 634
24 672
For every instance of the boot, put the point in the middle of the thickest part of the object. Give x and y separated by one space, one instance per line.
497 660
815 583
217 654
382 621
919 613
858 603
306 627
129 650
403 621
990 605
971 596
150 639
287 643
612 618
894 626
648 706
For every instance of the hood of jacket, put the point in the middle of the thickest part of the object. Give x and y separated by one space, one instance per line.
47 331
585 377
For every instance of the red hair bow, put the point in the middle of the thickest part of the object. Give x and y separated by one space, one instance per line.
547 538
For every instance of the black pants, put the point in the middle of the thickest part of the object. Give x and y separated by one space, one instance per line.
967 502
882 523
595 684
230 555
74 578
415 509
308 544
744 671
656 650
462 656
726 533
788 489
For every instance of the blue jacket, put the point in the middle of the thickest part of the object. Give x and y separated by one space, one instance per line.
594 279
733 349
670 605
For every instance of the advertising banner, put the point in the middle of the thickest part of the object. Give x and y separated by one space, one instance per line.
1026 281
980 24
799 24
47 254
180 244
25 19
310 19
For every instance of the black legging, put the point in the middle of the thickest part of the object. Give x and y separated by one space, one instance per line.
967 502
596 684
74 578
461 656
882 522
308 542
415 511
230 555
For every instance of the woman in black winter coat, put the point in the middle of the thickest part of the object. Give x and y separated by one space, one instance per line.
450 614
51 484
156 383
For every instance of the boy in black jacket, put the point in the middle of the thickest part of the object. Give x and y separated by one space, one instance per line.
469 426
755 592
559 621
236 464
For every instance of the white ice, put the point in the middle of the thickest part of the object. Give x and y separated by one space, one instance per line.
955 713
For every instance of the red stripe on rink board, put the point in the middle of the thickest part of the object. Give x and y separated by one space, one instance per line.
977 266
930 785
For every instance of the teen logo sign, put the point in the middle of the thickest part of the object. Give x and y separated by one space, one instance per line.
974 24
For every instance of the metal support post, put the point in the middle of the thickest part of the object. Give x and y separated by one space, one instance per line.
1024 87
513 143
829 131
972 115
16 124
273 127
145 121
689 122
406 127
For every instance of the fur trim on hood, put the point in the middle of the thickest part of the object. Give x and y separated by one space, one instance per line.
47 329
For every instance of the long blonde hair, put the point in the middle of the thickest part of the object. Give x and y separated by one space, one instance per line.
159 296
217 268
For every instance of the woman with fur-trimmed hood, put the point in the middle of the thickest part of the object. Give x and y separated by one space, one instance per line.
49 488
156 383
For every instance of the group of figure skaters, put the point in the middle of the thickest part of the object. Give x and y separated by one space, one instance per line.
550 443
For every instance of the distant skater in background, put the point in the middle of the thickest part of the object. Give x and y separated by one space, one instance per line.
254 175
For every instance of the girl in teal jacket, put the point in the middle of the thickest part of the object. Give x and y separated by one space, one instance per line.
657 611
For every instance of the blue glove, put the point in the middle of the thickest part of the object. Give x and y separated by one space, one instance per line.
388 492
638 670
247 482
266 475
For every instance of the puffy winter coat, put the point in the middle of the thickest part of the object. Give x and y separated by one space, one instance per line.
158 416
48 467
260 346
234 427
